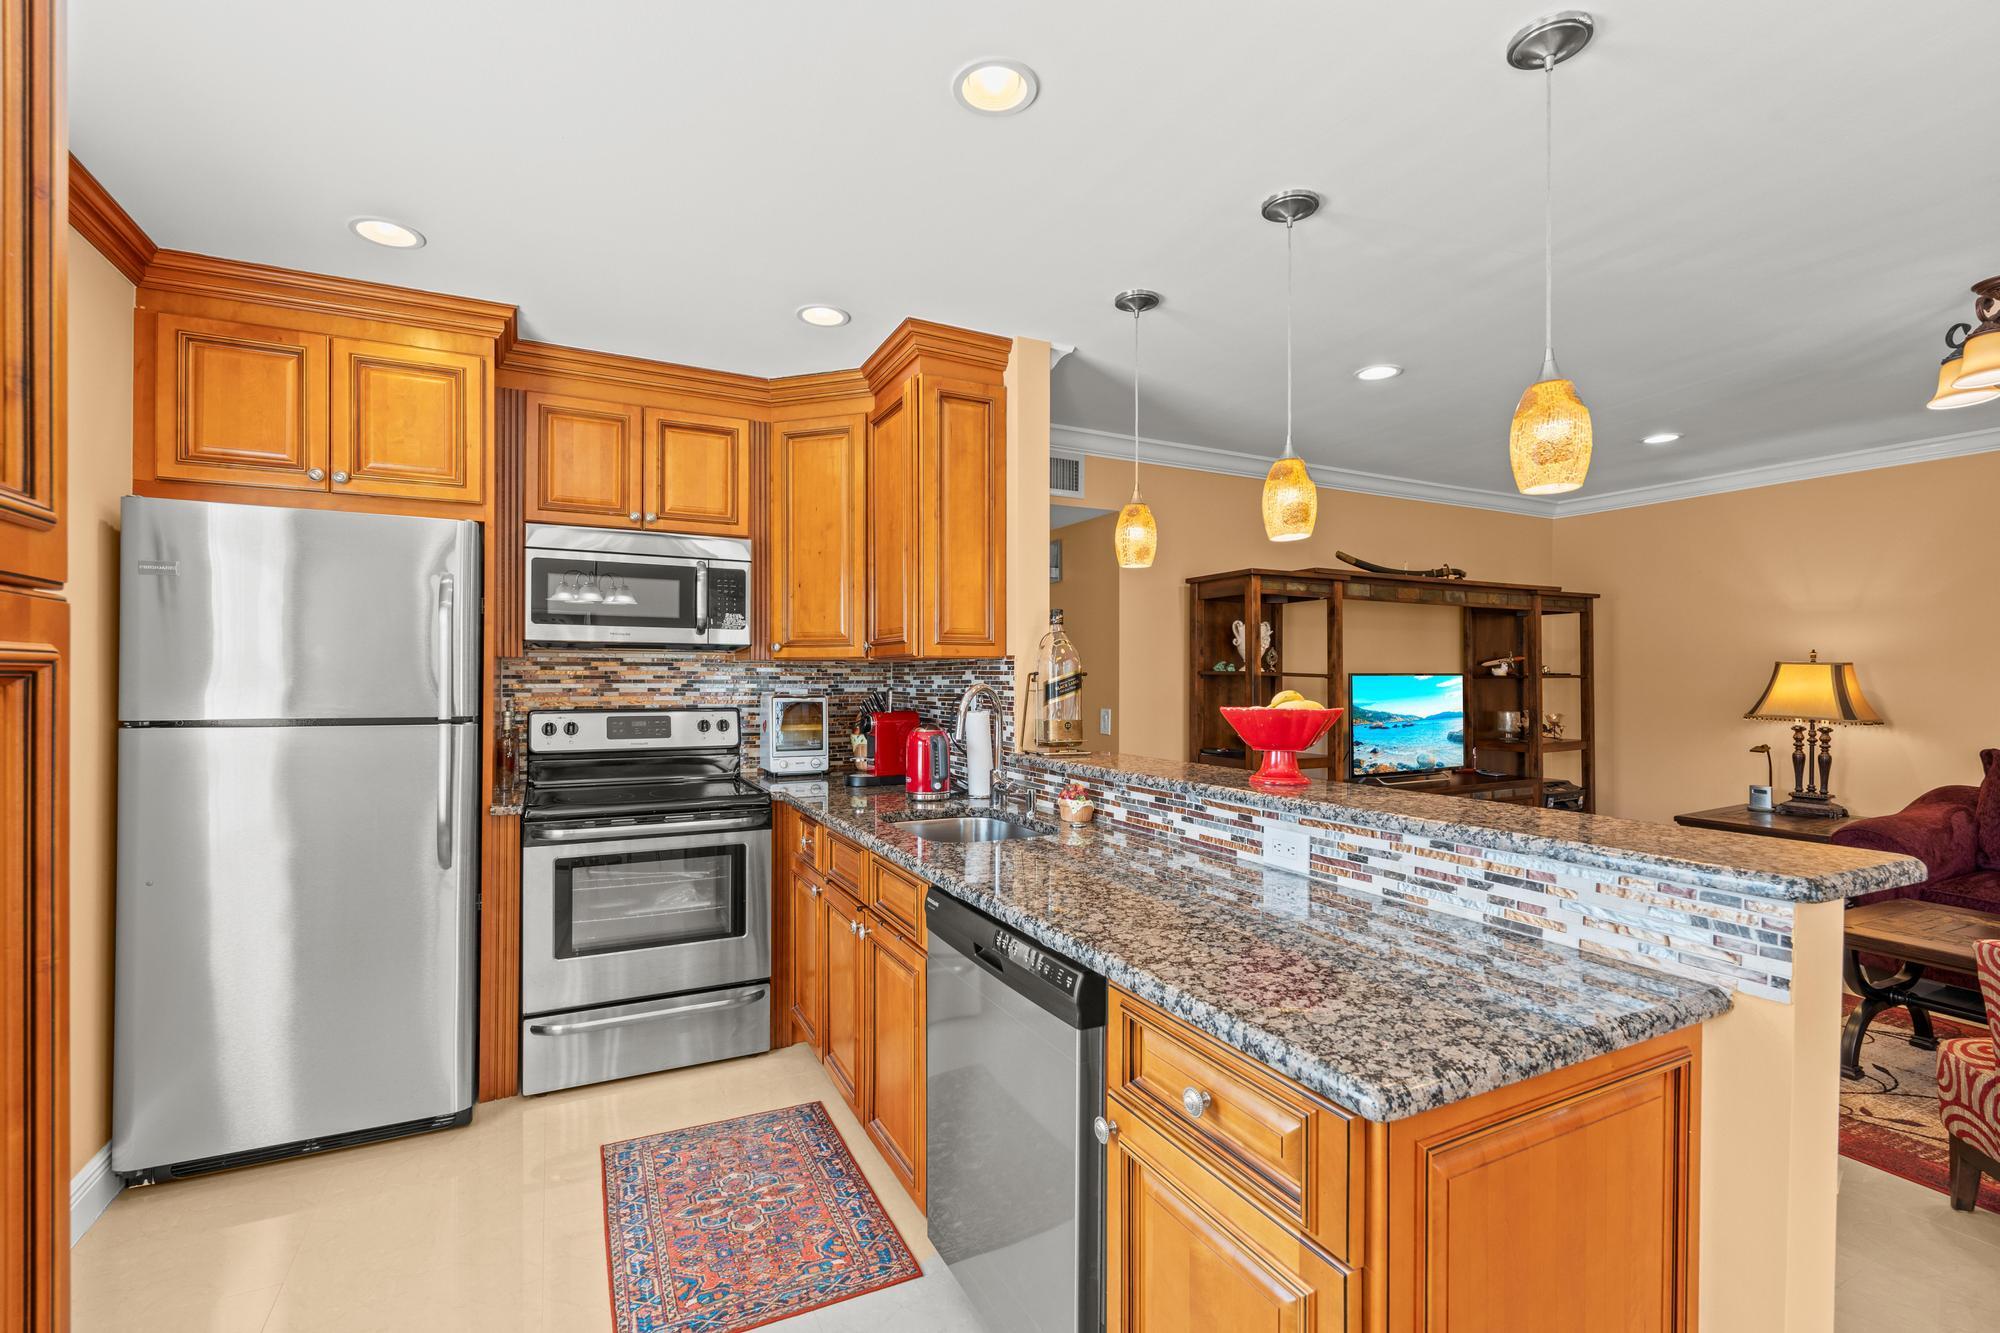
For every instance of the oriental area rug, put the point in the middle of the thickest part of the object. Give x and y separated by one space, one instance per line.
733 1225
1889 1116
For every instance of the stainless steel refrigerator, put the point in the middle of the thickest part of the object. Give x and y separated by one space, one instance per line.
298 826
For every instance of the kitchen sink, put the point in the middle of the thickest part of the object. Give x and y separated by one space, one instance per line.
969 828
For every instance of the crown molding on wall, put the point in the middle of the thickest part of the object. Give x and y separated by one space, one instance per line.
109 228
1778 474
1203 458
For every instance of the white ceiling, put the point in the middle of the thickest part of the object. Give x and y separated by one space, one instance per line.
1768 210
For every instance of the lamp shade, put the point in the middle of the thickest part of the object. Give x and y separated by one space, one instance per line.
1814 691
1980 367
1291 501
1136 539
1549 445
1949 396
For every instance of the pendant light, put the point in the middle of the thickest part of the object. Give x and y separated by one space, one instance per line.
1549 445
1980 368
1291 501
1137 537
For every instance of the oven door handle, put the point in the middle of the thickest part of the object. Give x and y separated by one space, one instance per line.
646 830
625 1020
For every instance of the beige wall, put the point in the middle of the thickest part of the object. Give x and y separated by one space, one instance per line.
1884 568
1088 596
1027 503
100 472
1210 523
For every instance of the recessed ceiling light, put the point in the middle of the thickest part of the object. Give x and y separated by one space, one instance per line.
1384 371
995 87
823 316
384 232
1661 437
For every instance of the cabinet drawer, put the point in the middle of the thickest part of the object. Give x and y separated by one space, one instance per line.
1297 1155
806 842
845 864
897 897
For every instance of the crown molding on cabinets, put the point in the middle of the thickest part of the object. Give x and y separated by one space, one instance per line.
109 228
916 339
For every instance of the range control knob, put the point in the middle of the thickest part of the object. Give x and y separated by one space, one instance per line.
570 728
722 724
548 728
702 725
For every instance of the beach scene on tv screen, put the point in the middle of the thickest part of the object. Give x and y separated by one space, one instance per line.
1407 724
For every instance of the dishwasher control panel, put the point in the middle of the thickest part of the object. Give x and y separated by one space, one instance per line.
1019 951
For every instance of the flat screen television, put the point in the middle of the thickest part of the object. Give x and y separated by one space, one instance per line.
1406 724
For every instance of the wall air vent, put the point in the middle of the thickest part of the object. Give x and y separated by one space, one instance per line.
1066 475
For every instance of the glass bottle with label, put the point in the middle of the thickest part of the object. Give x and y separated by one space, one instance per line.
1055 688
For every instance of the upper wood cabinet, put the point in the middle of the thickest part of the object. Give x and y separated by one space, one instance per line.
291 388
815 563
408 422
697 473
892 526
584 461
240 404
962 529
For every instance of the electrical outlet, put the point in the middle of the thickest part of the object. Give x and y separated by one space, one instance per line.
1288 847
1104 721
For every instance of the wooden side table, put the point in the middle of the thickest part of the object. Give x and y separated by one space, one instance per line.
1765 823
1917 935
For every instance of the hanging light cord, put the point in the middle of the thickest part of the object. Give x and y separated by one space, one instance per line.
1549 371
1135 406
1288 337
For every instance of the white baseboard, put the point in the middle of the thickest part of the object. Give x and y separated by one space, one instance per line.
91 1192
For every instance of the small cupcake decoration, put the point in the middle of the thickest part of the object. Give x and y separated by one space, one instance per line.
1073 804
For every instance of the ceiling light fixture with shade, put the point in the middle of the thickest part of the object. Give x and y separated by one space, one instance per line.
1980 364
1549 444
1948 395
1291 500
1136 539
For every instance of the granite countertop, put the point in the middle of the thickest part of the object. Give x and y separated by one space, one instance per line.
1781 868
1387 1010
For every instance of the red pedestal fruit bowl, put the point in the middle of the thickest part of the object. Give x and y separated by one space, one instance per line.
1280 733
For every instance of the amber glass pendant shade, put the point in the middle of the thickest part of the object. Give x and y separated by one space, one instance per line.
1549 445
1980 366
1948 396
1137 538
1291 501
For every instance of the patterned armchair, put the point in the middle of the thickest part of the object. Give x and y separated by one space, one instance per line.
1968 1074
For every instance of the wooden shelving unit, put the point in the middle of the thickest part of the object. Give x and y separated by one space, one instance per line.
1510 620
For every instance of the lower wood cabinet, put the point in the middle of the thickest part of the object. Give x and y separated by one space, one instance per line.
804 954
894 1082
843 1036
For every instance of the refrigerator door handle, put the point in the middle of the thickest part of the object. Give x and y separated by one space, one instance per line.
447 743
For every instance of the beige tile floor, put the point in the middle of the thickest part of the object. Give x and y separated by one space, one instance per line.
497 1228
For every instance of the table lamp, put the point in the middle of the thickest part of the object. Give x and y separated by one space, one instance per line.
1814 696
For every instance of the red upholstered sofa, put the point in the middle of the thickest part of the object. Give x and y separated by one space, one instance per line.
1954 831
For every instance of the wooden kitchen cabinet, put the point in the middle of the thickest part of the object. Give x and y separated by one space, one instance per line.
843 1047
805 956
892 525
962 518
696 473
814 569
239 404
583 461
408 422
895 1064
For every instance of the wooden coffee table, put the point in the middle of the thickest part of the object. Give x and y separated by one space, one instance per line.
1918 935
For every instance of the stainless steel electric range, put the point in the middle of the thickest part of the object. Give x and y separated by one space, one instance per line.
645 896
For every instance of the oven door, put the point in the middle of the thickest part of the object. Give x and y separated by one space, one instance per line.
608 918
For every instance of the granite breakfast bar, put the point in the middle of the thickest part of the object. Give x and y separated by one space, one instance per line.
1442 958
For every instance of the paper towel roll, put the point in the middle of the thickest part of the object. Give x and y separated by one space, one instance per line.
979 754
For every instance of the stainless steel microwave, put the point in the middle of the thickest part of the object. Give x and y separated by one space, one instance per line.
637 589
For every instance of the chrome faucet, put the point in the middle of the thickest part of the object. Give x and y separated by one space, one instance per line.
979 779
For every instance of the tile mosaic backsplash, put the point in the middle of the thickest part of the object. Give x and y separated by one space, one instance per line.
1739 943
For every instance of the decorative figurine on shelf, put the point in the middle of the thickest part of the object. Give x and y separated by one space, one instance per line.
1441 572
1238 640
1073 805
1503 666
1268 653
1760 797
1552 726
1225 667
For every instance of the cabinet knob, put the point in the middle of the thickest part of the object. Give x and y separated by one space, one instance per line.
812 890
315 474
634 516
339 478
652 518
1103 1130
1194 1101
860 930
774 647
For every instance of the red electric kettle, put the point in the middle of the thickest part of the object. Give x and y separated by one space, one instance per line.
927 764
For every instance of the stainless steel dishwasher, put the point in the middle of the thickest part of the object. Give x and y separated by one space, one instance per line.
1015 1038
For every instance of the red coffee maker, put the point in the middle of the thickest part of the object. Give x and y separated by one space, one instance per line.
887 736
927 760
